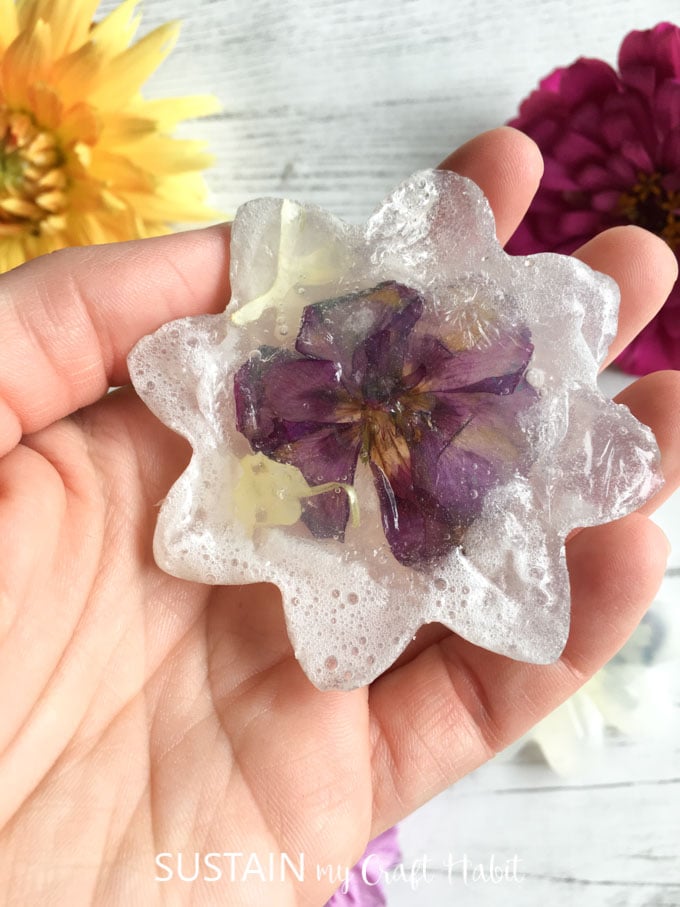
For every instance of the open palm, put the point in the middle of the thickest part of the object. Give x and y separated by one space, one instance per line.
142 714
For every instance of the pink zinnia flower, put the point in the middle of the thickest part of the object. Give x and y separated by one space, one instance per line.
611 144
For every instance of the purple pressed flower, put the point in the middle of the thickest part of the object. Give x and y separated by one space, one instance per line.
434 424
364 888
611 144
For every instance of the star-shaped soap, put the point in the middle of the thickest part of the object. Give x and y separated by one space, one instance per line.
397 424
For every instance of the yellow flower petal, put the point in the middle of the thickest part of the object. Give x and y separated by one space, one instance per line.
20 207
12 254
177 198
70 20
53 179
41 245
52 201
165 156
125 128
73 74
94 229
119 171
85 158
114 33
301 252
168 112
9 23
45 105
79 126
123 75
25 62
268 493
10 230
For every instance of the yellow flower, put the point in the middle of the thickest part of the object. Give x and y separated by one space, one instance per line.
83 157
271 494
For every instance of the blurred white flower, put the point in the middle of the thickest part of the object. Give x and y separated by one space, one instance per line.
633 694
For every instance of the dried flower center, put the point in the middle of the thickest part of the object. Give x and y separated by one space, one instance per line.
32 177
651 205
391 420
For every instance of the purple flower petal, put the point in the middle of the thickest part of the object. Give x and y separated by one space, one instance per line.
459 464
308 390
253 418
334 330
431 494
495 368
328 454
418 529
364 888
291 409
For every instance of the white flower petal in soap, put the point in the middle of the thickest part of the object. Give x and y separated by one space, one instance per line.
396 424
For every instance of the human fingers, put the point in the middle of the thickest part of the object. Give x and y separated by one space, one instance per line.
68 320
645 269
655 401
455 705
458 704
507 166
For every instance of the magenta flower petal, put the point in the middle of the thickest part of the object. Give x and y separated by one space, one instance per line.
611 145
670 155
636 154
656 347
649 58
668 106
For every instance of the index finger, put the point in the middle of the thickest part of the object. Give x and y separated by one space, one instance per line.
68 320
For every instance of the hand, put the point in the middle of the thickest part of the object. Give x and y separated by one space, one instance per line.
143 714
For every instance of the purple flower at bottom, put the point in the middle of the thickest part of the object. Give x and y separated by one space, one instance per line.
437 426
365 889
611 145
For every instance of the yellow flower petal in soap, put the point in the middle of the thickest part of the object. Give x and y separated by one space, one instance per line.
300 262
268 493
83 157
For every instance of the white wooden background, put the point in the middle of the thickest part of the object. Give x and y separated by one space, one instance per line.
335 101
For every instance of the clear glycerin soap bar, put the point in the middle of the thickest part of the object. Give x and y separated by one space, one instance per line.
396 424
